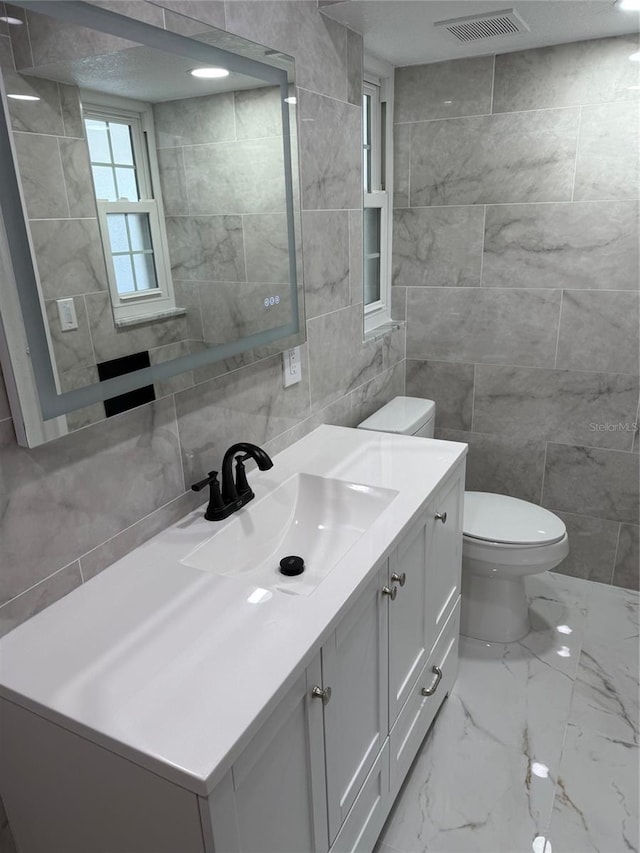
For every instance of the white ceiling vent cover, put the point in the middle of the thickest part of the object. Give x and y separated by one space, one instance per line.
506 22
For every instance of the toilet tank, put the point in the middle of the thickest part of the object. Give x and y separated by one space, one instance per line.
405 416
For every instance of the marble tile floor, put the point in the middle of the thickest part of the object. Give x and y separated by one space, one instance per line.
536 748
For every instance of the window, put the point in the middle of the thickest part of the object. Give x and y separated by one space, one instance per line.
376 228
126 186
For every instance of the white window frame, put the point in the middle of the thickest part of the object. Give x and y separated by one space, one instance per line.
143 305
378 82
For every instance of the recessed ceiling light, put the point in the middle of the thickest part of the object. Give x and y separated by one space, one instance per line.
7 19
629 5
209 73
23 97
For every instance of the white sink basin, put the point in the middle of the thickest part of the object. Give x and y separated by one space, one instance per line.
315 518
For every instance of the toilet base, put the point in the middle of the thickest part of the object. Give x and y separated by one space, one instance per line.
493 609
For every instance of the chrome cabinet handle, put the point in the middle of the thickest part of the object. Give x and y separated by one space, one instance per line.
441 516
319 693
401 579
390 591
429 691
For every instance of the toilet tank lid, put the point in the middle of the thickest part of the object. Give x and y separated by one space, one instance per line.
499 518
404 415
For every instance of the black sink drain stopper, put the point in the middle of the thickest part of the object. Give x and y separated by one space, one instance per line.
292 566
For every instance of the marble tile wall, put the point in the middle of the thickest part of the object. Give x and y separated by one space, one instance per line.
515 262
70 508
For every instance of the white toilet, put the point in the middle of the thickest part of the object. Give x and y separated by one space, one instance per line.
504 539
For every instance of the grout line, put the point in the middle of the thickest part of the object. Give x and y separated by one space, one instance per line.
64 180
615 555
473 398
575 165
484 237
493 85
544 470
555 358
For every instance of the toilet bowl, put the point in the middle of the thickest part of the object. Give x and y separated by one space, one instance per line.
504 540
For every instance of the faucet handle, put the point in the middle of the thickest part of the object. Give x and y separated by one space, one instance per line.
216 510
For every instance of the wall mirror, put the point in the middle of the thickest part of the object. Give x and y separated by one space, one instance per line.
150 211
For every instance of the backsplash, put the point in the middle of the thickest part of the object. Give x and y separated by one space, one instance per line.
70 508
516 261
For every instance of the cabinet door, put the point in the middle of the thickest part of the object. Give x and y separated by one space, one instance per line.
278 784
408 632
354 666
444 555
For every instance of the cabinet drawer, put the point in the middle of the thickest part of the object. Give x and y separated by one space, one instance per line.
364 822
419 711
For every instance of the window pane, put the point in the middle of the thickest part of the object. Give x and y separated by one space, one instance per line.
127 184
145 272
139 231
366 141
98 140
371 254
104 183
118 236
371 280
121 143
124 274
371 231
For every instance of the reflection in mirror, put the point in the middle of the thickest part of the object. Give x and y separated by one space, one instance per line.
160 207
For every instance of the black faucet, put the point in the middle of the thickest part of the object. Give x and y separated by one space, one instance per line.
234 494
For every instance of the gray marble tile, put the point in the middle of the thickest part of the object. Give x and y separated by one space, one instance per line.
174 383
41 176
258 113
266 247
599 331
591 481
459 87
19 35
338 360
82 489
588 815
206 248
401 164
356 252
109 342
326 273
5 411
449 384
355 51
593 547
140 10
590 245
249 404
330 156
232 310
71 349
80 377
188 296
516 157
71 111
564 75
185 16
194 121
77 178
98 559
626 569
318 44
21 608
607 164
42 116
173 181
437 246
399 303
557 405
236 177
475 324
69 256
218 368
371 396
507 466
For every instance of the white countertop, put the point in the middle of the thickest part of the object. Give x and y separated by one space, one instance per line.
175 668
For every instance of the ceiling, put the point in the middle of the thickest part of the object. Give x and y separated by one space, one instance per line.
402 32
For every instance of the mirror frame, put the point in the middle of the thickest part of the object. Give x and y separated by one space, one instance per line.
25 353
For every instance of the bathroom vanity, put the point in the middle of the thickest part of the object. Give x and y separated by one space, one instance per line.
163 708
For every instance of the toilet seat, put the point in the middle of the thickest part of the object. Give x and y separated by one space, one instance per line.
509 522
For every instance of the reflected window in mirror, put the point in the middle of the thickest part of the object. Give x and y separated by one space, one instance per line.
130 215
376 224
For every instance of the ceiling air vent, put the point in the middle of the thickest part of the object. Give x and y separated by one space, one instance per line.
506 22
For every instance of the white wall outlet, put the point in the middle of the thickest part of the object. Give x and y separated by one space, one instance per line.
292 368
67 314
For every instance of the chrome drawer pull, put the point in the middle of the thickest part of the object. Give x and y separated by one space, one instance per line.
429 691
319 693
390 591
401 579
441 516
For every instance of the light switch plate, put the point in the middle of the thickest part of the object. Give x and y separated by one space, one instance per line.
67 314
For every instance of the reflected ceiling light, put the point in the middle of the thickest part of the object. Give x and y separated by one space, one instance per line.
541 845
540 770
291 100
564 629
629 5
564 652
7 19
23 97
635 57
209 73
